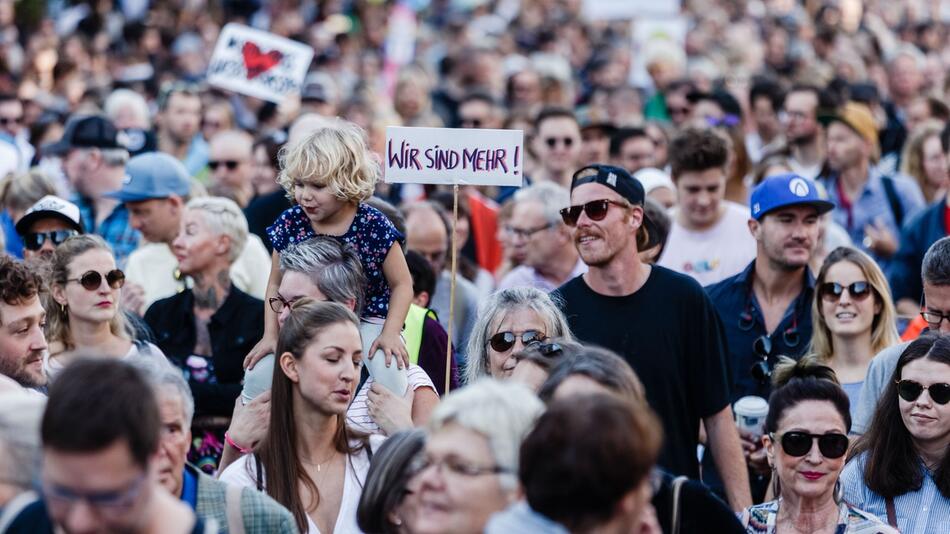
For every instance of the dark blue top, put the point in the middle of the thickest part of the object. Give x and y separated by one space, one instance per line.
919 232
743 323
189 488
371 233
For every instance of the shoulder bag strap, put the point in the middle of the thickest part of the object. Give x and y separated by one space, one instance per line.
891 512
259 474
896 208
677 484
233 505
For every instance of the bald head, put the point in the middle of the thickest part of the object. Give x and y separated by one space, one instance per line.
426 233
230 160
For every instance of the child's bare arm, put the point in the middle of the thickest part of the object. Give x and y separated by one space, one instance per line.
400 296
268 342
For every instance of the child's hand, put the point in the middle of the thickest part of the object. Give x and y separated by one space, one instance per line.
265 346
392 346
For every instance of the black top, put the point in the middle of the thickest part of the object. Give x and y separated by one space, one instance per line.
263 211
34 519
668 331
700 510
234 330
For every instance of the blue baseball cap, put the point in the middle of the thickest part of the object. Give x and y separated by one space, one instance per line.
153 175
786 190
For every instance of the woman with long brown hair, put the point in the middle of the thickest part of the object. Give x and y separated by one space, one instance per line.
310 462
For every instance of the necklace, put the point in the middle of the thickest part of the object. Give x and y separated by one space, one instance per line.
318 465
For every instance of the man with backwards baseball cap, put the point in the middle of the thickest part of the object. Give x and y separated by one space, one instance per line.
660 321
47 224
766 308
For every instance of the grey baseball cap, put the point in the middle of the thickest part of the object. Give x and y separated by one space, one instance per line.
153 175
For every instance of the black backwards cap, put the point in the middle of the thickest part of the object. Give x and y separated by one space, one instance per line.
621 181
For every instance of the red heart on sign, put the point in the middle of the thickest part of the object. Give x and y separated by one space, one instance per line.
257 62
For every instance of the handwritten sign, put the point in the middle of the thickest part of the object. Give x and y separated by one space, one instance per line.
454 156
258 64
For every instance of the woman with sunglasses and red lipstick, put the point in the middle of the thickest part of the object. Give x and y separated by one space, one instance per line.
508 322
853 316
899 469
806 439
82 310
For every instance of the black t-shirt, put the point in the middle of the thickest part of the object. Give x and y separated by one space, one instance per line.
669 332
700 510
263 211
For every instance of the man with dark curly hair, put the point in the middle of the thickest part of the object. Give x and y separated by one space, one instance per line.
22 319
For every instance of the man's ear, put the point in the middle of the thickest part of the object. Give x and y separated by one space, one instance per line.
422 299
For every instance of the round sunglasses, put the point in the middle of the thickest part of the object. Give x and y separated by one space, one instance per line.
596 210
92 280
798 444
910 390
832 291
503 341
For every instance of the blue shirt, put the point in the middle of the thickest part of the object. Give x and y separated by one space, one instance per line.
14 244
742 320
115 229
189 488
924 511
873 205
919 232
197 157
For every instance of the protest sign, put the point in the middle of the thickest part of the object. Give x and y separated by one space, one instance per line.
628 9
450 156
258 64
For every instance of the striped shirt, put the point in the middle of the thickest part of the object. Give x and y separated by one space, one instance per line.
924 511
358 416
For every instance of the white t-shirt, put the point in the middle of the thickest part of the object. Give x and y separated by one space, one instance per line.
243 473
358 417
711 255
52 366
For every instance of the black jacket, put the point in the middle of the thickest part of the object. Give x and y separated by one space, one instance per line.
234 330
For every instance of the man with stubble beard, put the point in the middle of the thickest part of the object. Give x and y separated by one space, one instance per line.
661 322
22 318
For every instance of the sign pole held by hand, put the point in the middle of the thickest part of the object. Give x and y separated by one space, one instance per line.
448 349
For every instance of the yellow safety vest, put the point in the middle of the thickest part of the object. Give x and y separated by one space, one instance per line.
415 320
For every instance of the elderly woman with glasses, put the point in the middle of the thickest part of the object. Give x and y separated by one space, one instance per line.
900 468
806 439
508 322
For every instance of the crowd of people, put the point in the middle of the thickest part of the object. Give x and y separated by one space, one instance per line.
716 303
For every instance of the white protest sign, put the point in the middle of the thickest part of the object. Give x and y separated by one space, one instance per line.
628 9
258 64
451 156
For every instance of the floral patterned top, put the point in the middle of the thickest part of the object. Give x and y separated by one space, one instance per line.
760 519
371 234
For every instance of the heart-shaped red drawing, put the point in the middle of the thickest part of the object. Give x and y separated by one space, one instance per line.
257 62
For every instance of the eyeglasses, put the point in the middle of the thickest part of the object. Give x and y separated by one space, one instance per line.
831 446
471 123
92 280
503 341
761 370
934 318
596 210
35 240
910 390
278 303
526 233
106 501
552 141
674 112
231 164
10 120
455 466
832 291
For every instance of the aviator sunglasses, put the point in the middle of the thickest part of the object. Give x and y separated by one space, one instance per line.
503 341
92 280
596 210
832 291
798 444
910 391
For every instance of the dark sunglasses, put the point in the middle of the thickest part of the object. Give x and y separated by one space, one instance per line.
831 446
761 370
503 341
832 291
230 164
35 240
10 120
92 280
910 391
596 210
552 141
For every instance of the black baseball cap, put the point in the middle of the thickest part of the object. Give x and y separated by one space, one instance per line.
91 131
621 181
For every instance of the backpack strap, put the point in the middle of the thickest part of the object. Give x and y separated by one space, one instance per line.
896 207
891 512
260 474
677 485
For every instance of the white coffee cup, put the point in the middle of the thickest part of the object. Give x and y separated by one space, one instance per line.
750 414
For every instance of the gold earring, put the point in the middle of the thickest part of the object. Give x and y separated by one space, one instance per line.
62 308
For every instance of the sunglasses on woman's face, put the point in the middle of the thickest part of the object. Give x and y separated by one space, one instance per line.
910 390
832 291
503 341
799 444
596 210
92 280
